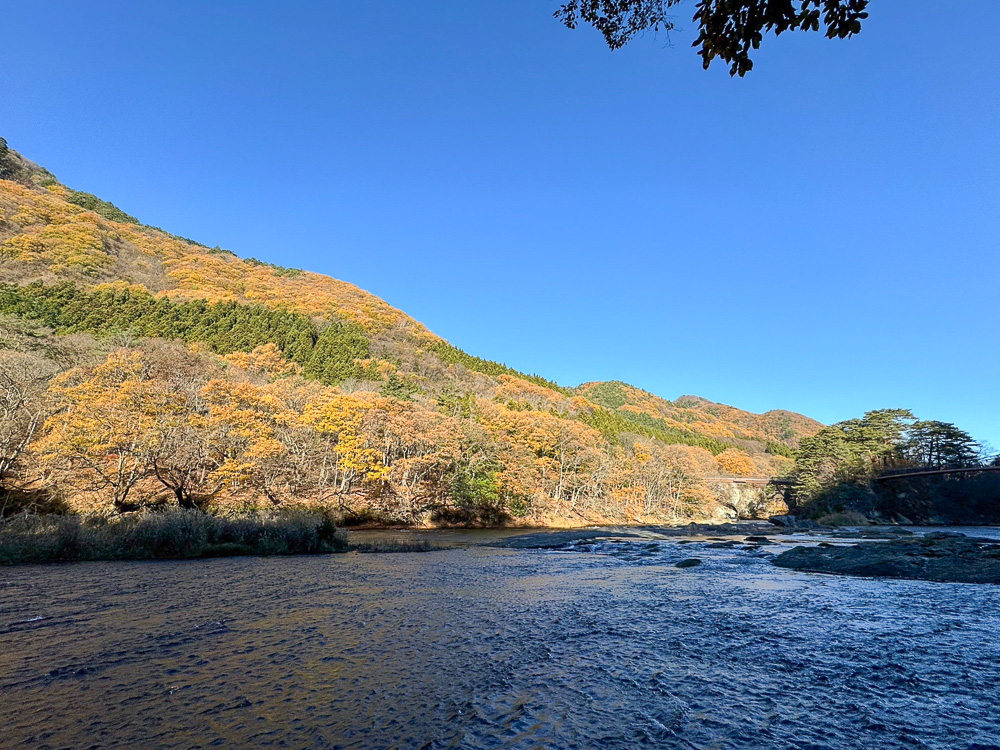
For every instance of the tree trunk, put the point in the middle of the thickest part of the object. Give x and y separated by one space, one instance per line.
185 500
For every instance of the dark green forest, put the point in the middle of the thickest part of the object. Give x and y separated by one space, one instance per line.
890 465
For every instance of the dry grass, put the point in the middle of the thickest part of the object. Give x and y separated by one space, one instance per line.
393 545
174 534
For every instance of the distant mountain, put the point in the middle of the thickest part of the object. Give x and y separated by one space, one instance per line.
721 422
436 434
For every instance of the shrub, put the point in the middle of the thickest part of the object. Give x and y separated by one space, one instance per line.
173 534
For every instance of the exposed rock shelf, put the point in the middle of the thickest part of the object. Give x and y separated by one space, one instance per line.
934 557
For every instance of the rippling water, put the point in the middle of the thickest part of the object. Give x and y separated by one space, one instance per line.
473 646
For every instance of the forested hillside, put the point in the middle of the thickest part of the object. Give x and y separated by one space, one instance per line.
141 368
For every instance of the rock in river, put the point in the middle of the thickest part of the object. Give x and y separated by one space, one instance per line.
934 557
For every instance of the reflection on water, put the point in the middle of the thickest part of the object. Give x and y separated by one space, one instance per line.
472 646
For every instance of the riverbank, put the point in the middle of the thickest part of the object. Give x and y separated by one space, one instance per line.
175 534
189 534
879 552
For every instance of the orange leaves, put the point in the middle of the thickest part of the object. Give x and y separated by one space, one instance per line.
109 425
694 461
51 232
266 360
262 430
736 462
381 441
654 480
199 274
115 400
342 419
541 453
26 207
518 390
256 434
41 227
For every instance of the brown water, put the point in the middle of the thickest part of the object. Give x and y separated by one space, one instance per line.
606 646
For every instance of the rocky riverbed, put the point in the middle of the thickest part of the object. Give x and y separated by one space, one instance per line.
936 556
870 552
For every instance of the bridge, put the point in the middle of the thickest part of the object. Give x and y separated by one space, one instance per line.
906 473
748 480
894 474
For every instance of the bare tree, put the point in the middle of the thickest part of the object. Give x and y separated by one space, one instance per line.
23 379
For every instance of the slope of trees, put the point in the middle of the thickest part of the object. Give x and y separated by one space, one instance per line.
49 232
696 421
160 424
453 355
108 210
849 467
140 368
330 355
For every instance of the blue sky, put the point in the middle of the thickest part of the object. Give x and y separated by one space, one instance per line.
820 236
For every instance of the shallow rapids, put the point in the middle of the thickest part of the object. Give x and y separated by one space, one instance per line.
603 644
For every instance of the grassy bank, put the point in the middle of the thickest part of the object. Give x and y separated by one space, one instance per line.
175 534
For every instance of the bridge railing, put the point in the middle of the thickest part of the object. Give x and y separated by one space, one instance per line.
735 479
915 471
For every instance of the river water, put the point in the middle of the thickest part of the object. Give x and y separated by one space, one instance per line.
474 646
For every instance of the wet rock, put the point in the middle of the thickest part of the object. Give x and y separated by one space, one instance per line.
688 563
792 522
940 556
559 539
758 540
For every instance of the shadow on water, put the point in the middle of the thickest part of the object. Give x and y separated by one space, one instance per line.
601 644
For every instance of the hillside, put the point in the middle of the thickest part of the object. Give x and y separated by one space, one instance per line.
141 367
774 429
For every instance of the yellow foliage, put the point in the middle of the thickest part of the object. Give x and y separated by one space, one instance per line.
108 425
263 429
341 417
514 389
62 246
736 462
266 360
223 277
257 434
49 230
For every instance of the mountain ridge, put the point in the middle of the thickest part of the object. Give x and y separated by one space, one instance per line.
76 264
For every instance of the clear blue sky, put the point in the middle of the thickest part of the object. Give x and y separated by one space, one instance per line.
820 236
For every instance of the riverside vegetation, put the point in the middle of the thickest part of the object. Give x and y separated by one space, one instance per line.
142 371
891 466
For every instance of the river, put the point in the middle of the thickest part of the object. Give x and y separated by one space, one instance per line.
475 646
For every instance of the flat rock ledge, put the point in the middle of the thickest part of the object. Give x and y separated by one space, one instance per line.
563 538
940 556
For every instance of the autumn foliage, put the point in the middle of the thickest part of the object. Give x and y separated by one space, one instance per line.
143 369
